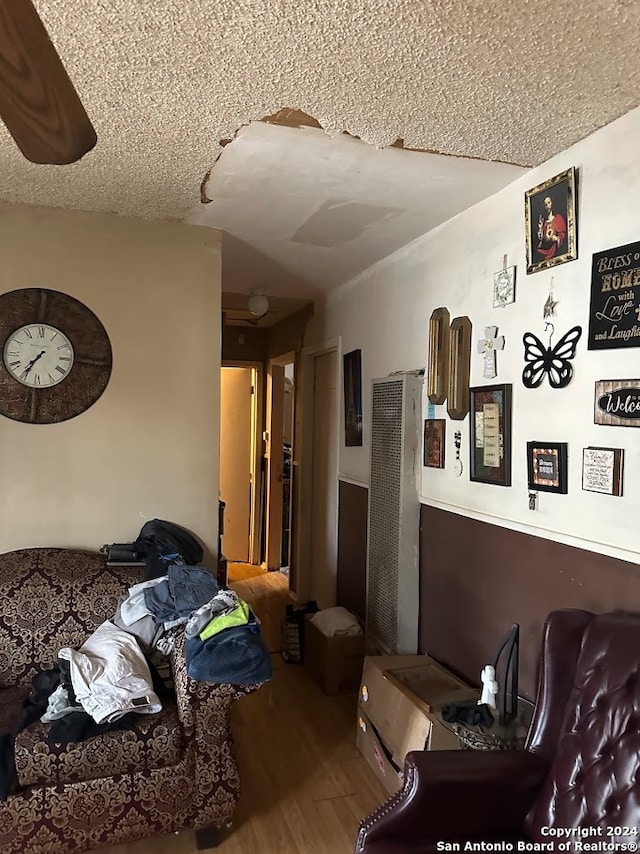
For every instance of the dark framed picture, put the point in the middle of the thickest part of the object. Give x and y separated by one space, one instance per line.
352 365
434 439
547 466
490 440
551 222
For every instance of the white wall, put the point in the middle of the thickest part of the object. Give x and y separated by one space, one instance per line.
385 312
149 446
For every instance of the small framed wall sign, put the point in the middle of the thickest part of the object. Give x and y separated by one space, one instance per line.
434 436
490 440
617 402
504 287
602 470
547 466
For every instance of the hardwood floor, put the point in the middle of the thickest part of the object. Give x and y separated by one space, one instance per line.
304 784
268 594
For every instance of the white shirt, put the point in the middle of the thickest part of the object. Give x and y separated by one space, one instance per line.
110 675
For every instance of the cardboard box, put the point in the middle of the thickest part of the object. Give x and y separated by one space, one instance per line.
398 696
376 754
334 663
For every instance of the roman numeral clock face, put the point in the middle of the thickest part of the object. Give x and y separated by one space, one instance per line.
38 355
55 356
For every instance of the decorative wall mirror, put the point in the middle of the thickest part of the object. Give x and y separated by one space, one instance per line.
459 368
437 382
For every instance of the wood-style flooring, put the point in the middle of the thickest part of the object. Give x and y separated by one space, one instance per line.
304 784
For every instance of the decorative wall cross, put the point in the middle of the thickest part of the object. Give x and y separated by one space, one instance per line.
487 346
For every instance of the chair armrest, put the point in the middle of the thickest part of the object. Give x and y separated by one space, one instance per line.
193 695
456 795
204 711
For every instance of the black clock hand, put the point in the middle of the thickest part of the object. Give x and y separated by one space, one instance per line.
23 375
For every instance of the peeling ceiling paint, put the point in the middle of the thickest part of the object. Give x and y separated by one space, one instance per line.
164 81
303 212
311 132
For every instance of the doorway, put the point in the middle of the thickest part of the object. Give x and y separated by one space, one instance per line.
240 454
281 465
257 482
317 498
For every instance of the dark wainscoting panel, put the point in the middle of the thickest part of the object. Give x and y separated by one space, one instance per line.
353 503
478 579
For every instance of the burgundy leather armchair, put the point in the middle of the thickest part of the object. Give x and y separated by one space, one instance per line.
580 767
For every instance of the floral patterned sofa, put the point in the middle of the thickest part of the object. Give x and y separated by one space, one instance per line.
174 770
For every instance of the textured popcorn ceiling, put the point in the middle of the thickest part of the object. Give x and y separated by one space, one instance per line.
165 80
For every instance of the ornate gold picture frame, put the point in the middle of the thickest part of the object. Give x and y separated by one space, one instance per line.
551 222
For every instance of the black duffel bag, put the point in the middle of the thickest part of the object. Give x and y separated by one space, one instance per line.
159 544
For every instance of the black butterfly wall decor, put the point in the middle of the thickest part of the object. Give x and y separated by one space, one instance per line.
552 361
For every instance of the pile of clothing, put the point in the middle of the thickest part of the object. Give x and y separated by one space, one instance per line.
223 641
122 669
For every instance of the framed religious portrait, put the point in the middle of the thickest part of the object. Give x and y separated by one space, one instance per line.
547 466
490 440
551 222
434 438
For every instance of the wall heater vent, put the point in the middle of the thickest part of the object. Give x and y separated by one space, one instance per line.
394 515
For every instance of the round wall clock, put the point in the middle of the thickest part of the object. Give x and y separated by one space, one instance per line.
55 356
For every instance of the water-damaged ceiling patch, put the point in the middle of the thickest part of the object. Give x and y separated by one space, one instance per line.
285 117
338 222
303 211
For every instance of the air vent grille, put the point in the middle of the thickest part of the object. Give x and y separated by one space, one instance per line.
392 565
386 476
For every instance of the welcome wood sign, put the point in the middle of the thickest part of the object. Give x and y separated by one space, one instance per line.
617 402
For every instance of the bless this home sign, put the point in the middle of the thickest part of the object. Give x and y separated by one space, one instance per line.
614 315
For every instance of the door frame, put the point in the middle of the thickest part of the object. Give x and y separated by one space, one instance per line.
303 458
257 449
275 462
275 434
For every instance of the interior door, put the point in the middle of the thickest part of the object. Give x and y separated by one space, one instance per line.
236 389
324 505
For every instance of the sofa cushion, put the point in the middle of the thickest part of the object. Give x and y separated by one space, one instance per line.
154 742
